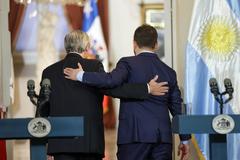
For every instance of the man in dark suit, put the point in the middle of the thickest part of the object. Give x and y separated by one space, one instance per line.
69 98
144 131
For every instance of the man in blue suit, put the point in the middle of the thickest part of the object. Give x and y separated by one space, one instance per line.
144 131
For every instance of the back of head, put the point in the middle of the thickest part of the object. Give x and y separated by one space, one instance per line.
146 36
76 41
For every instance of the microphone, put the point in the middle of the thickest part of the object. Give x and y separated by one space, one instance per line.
31 92
43 97
228 86
46 88
219 96
31 87
214 87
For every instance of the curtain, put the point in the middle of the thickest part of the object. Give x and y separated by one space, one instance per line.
74 15
16 15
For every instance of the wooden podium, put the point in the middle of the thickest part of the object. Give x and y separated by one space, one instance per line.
199 124
61 127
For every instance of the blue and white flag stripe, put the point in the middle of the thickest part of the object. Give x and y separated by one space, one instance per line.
92 25
90 13
235 7
213 50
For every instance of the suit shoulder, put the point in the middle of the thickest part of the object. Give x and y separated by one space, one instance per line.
53 66
93 61
93 65
128 58
168 68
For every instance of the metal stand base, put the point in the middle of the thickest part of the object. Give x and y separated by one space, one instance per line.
38 149
218 146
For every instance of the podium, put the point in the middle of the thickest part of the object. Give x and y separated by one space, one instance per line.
61 127
202 124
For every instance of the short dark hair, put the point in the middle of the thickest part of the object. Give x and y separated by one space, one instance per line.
146 36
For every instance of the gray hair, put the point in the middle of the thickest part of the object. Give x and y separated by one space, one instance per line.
76 41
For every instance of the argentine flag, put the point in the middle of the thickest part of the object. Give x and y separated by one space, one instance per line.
92 26
213 51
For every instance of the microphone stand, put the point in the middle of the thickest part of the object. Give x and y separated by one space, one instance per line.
35 99
221 101
40 103
38 100
32 95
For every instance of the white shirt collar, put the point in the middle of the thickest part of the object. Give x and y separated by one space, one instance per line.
144 51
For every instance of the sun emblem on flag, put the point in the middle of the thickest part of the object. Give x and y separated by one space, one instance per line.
219 37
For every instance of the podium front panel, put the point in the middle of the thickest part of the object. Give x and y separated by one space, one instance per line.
198 124
60 127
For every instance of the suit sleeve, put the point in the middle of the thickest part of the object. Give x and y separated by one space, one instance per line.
127 90
175 103
175 100
44 110
108 80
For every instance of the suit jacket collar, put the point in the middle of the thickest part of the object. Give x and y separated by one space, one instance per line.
71 60
72 54
148 54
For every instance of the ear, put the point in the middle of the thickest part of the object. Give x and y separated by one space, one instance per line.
88 47
135 44
156 46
